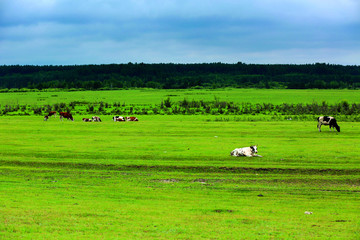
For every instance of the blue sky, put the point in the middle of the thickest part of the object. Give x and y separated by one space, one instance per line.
67 32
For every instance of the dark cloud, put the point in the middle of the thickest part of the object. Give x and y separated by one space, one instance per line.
108 31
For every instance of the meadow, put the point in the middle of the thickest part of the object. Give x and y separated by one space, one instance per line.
172 177
155 96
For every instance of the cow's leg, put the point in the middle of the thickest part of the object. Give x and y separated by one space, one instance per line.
235 153
319 126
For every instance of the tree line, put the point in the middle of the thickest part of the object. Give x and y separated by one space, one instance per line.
180 76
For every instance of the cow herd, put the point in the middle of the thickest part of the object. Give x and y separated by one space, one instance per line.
322 120
69 116
237 152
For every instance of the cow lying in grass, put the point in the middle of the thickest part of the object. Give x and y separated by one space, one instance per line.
132 119
118 119
246 151
327 120
96 119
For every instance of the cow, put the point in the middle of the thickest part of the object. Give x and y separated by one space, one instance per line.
246 151
134 119
52 113
96 119
66 115
118 119
328 120
46 117
86 119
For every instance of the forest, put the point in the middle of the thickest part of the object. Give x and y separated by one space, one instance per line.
180 76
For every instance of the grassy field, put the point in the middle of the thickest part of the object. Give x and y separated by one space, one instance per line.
172 177
151 96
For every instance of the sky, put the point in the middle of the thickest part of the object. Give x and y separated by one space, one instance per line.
69 32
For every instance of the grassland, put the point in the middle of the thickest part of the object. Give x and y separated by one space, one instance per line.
171 177
151 96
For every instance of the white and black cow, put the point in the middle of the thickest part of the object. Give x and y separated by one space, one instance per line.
87 119
246 151
118 119
96 119
327 120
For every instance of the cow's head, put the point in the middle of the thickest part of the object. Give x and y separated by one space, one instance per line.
254 149
337 128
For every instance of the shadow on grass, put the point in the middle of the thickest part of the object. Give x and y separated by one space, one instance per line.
190 169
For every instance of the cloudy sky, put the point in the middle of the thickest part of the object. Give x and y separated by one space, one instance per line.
67 32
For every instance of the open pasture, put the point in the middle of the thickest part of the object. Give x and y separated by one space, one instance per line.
152 96
172 177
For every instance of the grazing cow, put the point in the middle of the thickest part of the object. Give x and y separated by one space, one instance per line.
86 119
52 113
327 120
132 119
118 119
46 117
66 115
96 119
246 151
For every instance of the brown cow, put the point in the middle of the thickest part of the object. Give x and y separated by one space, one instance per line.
52 113
66 115
132 119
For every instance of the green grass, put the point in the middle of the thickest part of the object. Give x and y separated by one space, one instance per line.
172 177
151 96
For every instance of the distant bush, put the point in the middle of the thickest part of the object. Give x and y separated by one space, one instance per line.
284 111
